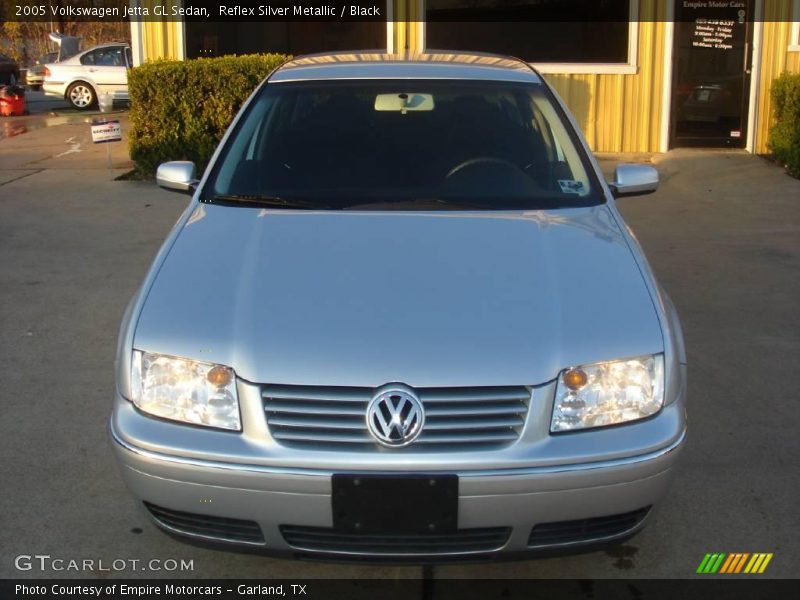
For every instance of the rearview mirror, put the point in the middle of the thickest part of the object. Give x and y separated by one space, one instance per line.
634 180
403 103
177 176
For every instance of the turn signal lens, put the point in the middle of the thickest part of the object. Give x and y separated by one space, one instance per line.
575 379
219 376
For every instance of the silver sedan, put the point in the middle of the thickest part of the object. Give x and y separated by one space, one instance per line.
401 317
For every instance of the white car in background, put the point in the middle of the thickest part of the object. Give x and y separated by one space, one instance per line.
81 78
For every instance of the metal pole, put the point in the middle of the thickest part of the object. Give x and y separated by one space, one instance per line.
108 155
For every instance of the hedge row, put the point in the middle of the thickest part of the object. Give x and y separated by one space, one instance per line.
181 109
784 136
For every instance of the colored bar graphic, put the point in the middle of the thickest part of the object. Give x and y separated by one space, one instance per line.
727 564
717 563
740 564
711 562
703 563
765 563
754 562
734 563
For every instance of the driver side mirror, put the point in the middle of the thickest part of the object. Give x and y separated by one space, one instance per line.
177 176
634 180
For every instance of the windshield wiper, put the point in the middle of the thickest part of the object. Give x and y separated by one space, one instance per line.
489 204
412 204
272 201
405 203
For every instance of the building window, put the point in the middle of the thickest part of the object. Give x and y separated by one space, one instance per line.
794 40
207 39
544 32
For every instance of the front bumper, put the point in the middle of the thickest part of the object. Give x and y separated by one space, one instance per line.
499 505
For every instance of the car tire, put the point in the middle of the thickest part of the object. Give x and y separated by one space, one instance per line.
81 95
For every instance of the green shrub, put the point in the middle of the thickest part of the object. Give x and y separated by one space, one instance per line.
181 109
784 135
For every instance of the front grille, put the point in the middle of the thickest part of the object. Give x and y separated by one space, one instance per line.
335 417
585 530
217 528
463 541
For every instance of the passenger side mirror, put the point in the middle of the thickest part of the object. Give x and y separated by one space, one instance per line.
177 176
634 180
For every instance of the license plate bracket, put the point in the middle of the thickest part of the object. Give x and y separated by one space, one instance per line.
411 504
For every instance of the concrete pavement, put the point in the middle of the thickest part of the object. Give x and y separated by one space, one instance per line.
723 235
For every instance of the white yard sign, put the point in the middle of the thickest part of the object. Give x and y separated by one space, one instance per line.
108 131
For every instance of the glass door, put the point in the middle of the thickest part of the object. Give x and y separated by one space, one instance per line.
711 73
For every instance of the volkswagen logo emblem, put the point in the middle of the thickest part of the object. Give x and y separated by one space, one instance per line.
395 417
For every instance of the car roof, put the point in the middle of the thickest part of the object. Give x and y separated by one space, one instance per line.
105 45
431 64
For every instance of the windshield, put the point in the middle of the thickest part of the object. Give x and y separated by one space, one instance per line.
403 145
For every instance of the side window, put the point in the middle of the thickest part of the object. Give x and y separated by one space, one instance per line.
105 57
112 57
90 58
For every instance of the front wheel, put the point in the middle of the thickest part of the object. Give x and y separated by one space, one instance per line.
81 95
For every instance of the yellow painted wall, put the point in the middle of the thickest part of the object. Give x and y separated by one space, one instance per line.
621 112
775 59
160 38
400 15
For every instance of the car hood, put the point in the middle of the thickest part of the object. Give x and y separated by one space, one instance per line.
425 298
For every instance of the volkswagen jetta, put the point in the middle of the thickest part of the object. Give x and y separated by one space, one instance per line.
401 317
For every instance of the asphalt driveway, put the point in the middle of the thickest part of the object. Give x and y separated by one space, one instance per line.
723 235
45 111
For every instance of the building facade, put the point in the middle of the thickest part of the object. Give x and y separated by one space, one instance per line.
639 75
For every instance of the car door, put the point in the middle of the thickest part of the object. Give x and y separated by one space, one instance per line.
108 69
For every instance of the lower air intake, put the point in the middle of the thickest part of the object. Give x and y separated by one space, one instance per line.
205 526
464 541
585 530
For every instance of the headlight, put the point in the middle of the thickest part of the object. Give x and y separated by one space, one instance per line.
185 390
608 393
